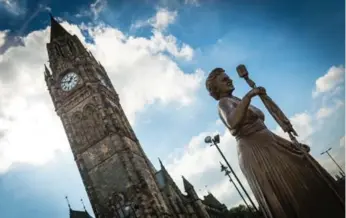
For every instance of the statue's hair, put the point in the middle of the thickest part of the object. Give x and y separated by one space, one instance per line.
211 85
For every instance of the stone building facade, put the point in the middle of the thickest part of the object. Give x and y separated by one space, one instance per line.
116 172
189 204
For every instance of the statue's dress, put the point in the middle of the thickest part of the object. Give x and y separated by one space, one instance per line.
283 181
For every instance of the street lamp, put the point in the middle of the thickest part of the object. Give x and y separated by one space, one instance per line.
327 152
214 141
227 173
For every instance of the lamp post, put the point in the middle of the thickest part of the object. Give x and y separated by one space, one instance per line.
214 141
327 152
227 173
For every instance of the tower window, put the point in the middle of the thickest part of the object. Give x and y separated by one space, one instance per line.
79 130
93 123
71 46
58 50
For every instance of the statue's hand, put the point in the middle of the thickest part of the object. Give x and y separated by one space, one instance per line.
257 91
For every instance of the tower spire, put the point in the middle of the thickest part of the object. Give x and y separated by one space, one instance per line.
161 165
56 30
187 184
83 205
68 203
46 71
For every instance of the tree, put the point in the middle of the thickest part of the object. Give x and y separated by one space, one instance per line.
242 211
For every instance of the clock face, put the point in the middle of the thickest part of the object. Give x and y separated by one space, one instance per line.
69 81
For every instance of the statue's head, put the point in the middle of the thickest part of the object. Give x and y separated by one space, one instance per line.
219 84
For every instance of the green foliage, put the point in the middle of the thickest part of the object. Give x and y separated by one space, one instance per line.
242 211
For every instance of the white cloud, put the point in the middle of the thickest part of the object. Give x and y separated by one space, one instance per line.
141 71
44 7
160 21
160 41
3 37
192 2
94 9
163 19
12 6
218 122
303 123
324 112
332 79
97 7
342 142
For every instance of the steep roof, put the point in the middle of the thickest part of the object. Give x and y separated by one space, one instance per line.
167 178
187 184
211 201
56 30
79 214
160 177
164 179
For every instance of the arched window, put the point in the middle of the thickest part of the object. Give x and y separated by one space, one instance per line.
78 128
58 50
89 122
93 123
71 46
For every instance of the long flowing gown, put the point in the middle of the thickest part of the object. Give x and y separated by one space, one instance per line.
284 182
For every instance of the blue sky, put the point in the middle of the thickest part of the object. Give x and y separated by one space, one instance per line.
158 54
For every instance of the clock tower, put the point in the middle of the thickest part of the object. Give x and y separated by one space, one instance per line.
115 171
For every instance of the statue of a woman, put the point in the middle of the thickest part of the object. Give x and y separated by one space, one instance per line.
283 181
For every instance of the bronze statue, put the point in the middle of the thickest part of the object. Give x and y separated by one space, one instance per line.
286 180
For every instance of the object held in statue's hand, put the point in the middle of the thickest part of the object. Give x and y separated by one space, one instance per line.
243 73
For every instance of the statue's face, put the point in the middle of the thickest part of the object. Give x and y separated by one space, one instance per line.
224 84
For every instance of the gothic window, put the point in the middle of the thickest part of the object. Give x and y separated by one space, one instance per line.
71 46
78 128
93 123
89 123
58 50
